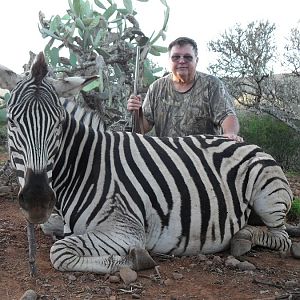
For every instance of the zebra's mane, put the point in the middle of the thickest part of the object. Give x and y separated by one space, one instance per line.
83 115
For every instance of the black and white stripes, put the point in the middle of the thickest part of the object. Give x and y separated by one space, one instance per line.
122 194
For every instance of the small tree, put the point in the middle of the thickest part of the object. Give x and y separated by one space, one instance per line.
245 62
292 51
245 52
244 58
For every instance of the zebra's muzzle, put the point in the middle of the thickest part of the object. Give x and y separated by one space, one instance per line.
36 198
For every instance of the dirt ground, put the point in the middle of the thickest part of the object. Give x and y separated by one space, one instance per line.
207 278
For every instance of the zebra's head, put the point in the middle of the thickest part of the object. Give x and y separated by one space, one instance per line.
35 117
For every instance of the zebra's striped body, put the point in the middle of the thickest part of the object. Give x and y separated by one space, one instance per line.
121 193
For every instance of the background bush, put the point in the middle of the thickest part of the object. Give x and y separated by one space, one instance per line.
273 136
3 134
3 131
294 213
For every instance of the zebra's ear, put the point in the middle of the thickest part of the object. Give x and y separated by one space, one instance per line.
67 87
70 86
8 78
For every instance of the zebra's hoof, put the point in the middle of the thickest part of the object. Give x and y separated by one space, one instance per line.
141 259
240 247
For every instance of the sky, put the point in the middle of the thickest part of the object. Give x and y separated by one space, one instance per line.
201 20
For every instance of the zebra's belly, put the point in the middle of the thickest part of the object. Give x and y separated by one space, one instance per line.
168 243
193 235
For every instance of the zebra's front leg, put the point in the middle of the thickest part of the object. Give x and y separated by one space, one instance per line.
98 253
249 236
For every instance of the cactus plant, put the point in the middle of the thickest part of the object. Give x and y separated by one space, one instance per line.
102 40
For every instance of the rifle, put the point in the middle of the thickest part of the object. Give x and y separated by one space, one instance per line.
137 116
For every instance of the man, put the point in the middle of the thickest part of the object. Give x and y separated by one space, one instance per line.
187 102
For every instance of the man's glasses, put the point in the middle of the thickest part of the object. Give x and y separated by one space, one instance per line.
186 58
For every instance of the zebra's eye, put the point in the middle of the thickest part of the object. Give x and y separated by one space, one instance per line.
11 123
58 129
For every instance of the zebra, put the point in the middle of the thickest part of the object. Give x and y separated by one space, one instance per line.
124 197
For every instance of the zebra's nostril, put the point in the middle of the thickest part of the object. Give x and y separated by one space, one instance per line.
24 204
21 199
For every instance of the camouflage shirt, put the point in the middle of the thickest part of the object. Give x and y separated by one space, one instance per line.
200 110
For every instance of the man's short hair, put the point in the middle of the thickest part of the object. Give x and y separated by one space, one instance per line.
181 41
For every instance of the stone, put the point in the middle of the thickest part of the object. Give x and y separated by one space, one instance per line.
29 295
295 250
246 266
128 276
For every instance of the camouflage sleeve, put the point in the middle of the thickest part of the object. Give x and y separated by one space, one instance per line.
221 102
148 105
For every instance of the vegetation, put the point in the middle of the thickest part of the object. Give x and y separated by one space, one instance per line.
291 55
294 213
246 57
274 137
3 134
103 41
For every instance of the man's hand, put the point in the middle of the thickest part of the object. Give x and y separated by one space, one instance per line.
234 137
134 103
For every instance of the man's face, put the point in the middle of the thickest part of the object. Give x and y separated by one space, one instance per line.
183 61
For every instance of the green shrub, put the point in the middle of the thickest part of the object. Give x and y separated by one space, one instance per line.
3 116
3 133
294 213
274 137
